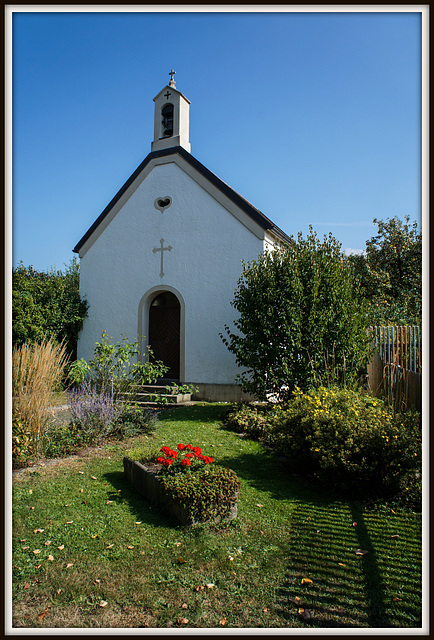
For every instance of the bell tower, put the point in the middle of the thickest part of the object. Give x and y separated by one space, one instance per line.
171 118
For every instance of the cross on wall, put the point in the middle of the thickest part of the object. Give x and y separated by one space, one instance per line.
161 249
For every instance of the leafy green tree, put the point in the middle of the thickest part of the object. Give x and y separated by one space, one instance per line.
47 304
301 322
391 272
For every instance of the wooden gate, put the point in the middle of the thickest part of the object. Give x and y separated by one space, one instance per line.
164 331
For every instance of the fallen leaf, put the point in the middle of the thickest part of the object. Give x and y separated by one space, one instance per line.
361 552
23 540
83 502
67 505
47 543
25 548
69 565
32 508
130 546
183 621
230 558
30 490
109 501
42 615
110 546
95 536
139 522
50 558
177 544
199 588
395 536
38 530
341 564
181 561
38 566
184 606
306 581
262 533
27 585
81 472
265 610
395 599
297 600
36 551
59 591
93 477
103 603
260 505
223 621
97 581
210 585
354 524
62 546
70 522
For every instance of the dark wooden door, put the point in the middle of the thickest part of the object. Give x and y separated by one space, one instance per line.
164 325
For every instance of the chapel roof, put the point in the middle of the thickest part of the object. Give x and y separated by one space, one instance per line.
238 200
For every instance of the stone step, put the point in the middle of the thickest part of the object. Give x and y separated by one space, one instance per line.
157 398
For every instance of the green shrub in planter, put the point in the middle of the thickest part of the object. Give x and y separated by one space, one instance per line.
350 440
204 491
206 494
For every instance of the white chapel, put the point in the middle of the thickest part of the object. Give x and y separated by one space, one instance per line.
162 261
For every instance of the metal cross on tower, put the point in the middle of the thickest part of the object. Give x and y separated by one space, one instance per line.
172 81
154 250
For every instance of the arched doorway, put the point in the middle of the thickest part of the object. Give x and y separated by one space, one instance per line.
164 331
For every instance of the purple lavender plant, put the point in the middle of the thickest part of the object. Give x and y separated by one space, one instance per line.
94 411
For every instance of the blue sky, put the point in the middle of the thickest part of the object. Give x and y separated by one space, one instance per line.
315 118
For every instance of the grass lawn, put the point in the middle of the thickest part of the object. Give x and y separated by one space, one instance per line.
89 552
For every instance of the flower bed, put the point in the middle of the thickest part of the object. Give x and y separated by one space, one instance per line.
185 485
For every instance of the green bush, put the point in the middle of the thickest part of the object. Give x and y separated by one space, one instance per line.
134 420
64 440
350 440
206 494
254 421
22 449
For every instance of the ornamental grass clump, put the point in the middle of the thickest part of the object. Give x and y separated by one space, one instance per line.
37 370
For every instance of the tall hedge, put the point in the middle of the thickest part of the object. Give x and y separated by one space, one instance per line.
47 304
300 319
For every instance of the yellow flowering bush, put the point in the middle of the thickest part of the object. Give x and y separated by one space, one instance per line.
351 440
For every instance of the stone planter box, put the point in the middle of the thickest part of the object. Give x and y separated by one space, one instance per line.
146 482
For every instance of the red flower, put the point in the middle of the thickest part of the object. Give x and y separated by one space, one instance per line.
197 451
161 460
189 455
173 454
185 462
190 446
168 462
181 446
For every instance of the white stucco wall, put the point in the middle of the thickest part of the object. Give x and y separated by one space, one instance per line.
208 244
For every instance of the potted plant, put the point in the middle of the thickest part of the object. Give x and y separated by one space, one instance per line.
186 484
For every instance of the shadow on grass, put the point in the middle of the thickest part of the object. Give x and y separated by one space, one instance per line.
138 506
347 589
203 412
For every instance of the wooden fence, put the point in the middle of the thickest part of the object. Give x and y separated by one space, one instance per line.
396 368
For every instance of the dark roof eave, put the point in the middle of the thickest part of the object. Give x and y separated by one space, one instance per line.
243 204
